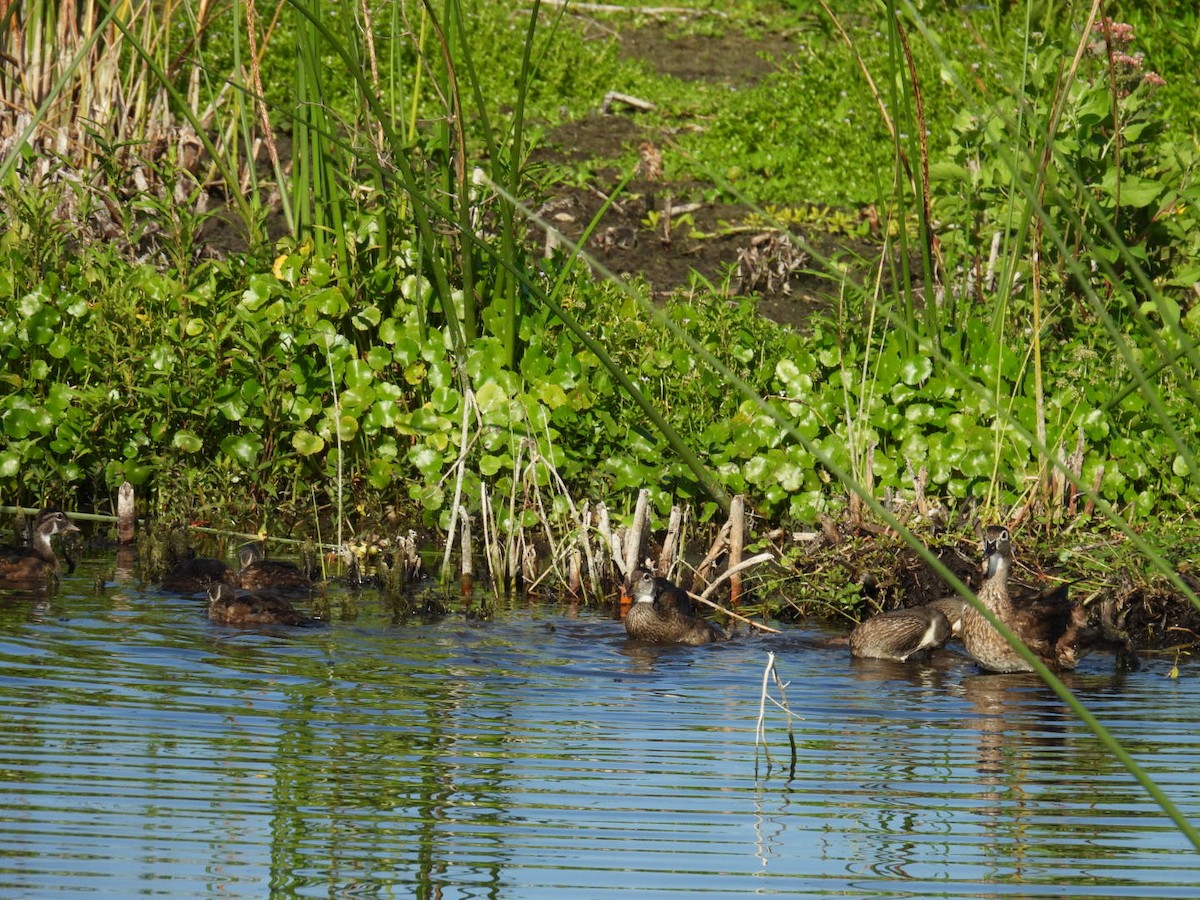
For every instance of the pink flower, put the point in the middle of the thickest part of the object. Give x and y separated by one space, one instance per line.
1153 78
1119 33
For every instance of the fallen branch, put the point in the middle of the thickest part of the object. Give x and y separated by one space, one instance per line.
745 564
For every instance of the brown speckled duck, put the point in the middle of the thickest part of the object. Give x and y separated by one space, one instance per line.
258 572
953 608
901 634
196 575
1052 627
227 606
36 564
662 613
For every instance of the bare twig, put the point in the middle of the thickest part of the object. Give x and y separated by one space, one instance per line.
771 673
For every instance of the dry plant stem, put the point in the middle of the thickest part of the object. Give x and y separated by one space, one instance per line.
529 573
718 547
783 704
574 572
605 529
468 558
264 119
637 531
665 237
670 548
745 564
556 553
461 467
510 540
737 530
490 551
760 733
586 542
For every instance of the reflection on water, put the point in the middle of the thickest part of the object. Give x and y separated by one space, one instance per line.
147 751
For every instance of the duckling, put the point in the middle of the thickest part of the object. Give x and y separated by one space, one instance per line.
36 563
195 575
953 608
258 572
227 606
901 634
662 613
1052 627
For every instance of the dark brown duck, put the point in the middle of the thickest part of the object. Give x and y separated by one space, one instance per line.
227 606
196 575
662 613
258 572
36 563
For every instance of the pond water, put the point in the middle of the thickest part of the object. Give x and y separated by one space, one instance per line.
145 751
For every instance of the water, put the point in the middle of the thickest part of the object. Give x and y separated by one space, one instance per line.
145 751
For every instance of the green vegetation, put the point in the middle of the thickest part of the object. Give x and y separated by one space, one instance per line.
1014 328
400 346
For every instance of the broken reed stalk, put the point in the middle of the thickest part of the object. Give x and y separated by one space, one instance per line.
636 534
737 531
467 577
574 572
126 515
586 542
714 552
605 528
670 547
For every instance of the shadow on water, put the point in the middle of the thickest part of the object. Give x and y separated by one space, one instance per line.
146 750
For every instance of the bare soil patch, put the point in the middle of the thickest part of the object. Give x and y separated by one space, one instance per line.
726 244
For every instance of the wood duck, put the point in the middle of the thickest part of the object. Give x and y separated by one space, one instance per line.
1052 627
258 572
196 575
662 613
953 608
37 562
227 606
901 634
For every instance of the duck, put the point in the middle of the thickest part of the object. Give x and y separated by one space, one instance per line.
901 634
228 607
953 608
662 613
1051 626
258 572
37 562
196 575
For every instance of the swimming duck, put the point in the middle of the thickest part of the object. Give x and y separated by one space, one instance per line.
662 613
258 572
1052 627
195 575
227 606
37 562
901 634
953 608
